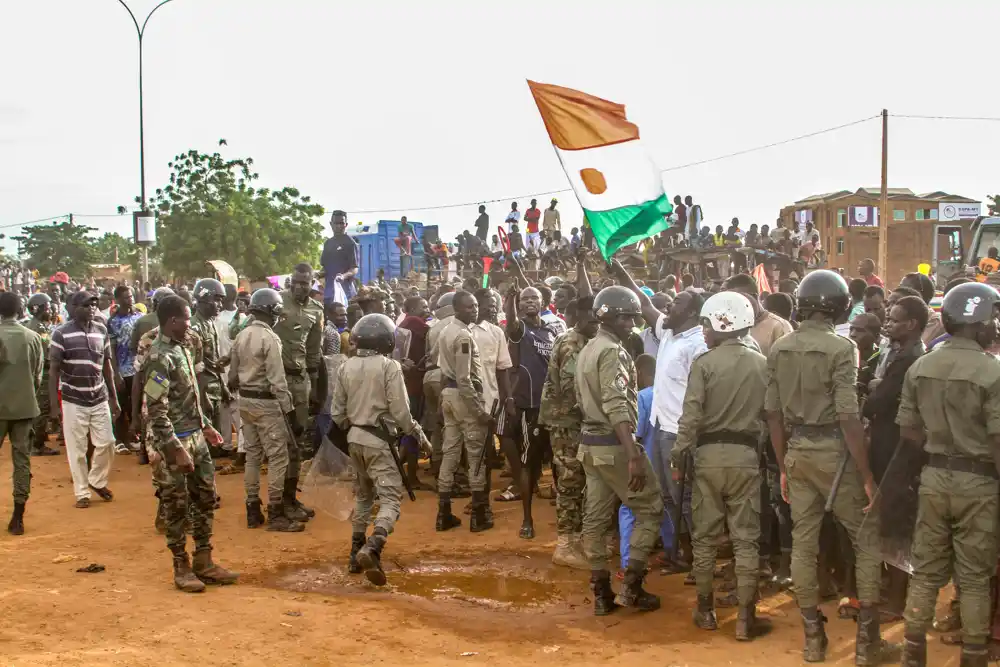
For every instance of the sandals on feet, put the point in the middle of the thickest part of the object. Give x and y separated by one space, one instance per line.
508 495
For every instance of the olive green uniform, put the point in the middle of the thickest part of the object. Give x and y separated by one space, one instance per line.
369 395
811 380
953 394
40 427
211 385
560 411
461 405
432 420
606 386
721 422
301 334
21 368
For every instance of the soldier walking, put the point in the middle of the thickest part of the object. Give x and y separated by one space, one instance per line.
209 295
301 334
812 393
181 435
40 309
21 364
953 396
615 465
256 372
368 394
721 423
465 419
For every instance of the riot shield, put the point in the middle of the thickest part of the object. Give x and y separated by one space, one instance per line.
894 509
329 484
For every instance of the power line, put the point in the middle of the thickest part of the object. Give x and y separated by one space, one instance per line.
675 168
52 218
985 118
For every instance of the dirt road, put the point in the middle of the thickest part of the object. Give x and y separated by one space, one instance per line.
458 598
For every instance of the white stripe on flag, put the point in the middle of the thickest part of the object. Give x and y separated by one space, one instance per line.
630 175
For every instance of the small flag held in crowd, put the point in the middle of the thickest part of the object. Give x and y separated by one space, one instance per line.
617 184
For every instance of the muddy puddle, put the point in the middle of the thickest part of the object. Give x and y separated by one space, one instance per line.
501 585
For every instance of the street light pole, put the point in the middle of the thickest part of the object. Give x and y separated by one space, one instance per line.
140 31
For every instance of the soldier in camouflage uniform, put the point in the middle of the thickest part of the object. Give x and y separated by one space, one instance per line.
181 436
40 309
301 334
209 295
560 411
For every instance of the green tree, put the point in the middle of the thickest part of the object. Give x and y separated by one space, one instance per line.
994 204
113 248
59 246
210 210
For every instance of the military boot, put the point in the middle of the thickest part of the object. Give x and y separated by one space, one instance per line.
16 525
208 571
783 576
632 593
479 520
255 518
815 646
748 626
914 650
975 655
295 510
604 597
370 557
445 519
868 642
184 578
704 613
357 541
568 554
278 520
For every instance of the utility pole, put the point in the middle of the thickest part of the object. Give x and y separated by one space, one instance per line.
884 214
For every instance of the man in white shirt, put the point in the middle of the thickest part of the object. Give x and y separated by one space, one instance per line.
493 351
513 217
681 342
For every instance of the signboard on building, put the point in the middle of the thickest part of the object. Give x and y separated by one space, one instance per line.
951 211
862 216
802 216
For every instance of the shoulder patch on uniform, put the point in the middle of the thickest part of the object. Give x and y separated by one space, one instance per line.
621 382
465 347
156 385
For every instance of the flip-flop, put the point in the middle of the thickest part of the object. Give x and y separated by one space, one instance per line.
508 495
527 533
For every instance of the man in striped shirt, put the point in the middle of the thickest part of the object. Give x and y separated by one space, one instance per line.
80 368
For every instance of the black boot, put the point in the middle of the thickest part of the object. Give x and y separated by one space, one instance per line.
357 541
297 511
815 646
480 520
143 455
278 520
748 626
370 557
445 519
632 593
604 597
868 643
16 525
914 650
975 655
255 518
704 613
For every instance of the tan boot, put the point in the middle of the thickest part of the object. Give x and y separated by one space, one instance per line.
568 554
209 572
184 578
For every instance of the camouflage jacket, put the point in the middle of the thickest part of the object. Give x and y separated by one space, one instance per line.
210 379
44 331
171 391
192 343
560 406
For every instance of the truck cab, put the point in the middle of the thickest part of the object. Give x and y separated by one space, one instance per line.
985 235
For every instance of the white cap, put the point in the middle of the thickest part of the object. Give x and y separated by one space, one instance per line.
728 311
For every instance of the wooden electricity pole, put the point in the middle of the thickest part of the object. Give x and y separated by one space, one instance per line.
884 214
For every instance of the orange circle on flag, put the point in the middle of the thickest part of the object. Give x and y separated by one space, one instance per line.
594 181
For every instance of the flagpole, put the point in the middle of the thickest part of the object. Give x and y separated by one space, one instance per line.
884 212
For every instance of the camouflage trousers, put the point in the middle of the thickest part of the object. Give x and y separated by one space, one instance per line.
19 431
298 386
193 492
955 535
571 480
376 476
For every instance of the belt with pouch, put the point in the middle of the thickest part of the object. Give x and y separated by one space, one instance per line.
729 438
816 430
260 395
606 440
963 464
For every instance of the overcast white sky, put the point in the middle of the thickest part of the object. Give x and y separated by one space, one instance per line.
383 105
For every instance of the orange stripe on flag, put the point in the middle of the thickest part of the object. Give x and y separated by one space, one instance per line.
576 120
760 275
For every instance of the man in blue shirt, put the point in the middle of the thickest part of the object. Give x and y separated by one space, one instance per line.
340 258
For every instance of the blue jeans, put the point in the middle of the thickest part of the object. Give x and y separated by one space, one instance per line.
663 444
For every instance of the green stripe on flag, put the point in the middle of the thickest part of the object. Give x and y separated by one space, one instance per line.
629 224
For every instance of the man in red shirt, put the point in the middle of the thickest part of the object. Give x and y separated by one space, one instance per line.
866 268
531 217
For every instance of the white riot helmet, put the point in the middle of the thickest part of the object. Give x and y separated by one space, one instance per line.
727 312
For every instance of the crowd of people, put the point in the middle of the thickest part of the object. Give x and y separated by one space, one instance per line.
674 419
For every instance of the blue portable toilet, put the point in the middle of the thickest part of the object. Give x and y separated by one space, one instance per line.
377 248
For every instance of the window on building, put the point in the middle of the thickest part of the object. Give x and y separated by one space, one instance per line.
898 214
920 213
840 246
934 214
841 217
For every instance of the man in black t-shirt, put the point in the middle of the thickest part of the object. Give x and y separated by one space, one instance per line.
482 223
340 258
